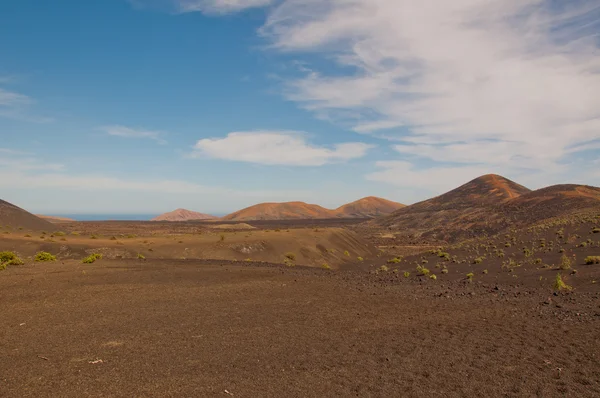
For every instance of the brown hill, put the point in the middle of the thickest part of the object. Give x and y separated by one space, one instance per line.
370 206
13 217
486 206
457 213
55 219
280 211
183 215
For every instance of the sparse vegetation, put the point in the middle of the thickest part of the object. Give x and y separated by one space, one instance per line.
60 233
422 271
406 274
140 256
559 284
565 262
325 266
347 253
384 268
9 258
592 260
470 276
290 256
92 258
44 257
395 260
360 258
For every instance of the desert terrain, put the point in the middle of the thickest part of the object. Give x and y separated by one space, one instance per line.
488 290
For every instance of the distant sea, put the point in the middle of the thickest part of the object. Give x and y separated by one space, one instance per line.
105 217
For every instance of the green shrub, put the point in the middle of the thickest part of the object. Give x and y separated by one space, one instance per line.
592 260
565 262
74 233
406 274
325 266
432 276
360 258
596 230
444 270
395 260
9 258
92 258
59 233
140 256
291 256
478 260
470 276
347 253
422 271
44 257
559 284
384 268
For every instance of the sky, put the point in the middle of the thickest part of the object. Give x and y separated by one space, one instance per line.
144 106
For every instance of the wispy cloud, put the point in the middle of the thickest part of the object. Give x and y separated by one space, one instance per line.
127 132
276 148
205 6
469 81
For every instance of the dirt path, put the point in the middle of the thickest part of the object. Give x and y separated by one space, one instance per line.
184 329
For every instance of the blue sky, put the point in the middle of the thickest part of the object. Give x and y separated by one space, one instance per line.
143 106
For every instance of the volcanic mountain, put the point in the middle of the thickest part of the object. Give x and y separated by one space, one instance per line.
458 212
488 205
183 215
280 211
15 217
370 206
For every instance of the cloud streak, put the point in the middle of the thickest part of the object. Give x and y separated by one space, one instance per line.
276 148
127 132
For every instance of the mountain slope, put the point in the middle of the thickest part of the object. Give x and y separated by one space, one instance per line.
15 217
55 219
183 215
370 206
465 211
280 211
488 205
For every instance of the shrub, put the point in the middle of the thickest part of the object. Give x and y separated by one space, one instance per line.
559 284
596 230
291 256
395 260
44 257
406 274
74 233
92 258
445 271
59 233
222 237
432 276
470 276
592 260
384 268
485 271
478 260
360 258
9 258
565 262
325 266
347 253
422 271
140 256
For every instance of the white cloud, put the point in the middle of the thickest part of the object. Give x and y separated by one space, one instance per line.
469 81
276 148
205 6
127 132
220 6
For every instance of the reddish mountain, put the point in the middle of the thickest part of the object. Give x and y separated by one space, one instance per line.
183 215
465 211
370 206
280 211
14 217
488 205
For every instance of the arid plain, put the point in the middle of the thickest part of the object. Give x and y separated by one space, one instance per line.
488 290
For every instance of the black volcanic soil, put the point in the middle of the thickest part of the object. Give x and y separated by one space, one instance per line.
185 328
